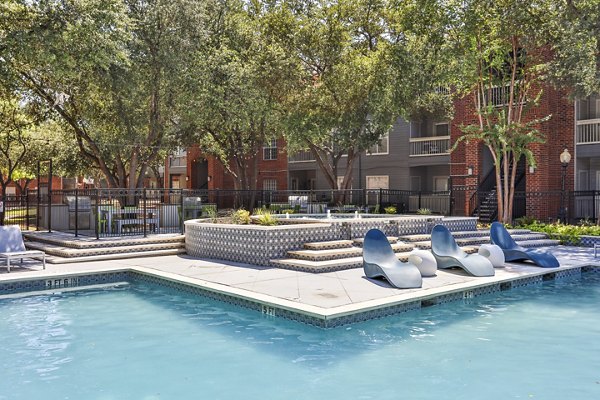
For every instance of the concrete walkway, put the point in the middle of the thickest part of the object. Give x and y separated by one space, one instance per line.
325 295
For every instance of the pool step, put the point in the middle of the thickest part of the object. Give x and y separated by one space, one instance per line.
360 241
85 242
327 265
531 239
319 266
62 248
329 245
335 254
461 234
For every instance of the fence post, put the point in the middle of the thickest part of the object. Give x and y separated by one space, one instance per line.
27 208
50 198
144 211
98 216
181 224
76 212
419 207
380 199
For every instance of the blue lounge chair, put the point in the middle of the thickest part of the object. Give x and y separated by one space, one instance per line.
448 254
513 252
380 261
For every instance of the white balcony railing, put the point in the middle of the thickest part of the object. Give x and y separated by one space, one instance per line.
588 131
430 146
302 156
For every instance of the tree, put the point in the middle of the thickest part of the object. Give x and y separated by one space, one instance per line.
341 108
107 68
364 64
235 85
504 47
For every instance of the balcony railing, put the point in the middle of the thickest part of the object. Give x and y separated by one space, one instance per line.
430 146
302 156
588 131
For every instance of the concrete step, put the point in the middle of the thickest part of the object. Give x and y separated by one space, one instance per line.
338 264
120 256
460 234
359 241
82 242
538 243
333 244
327 265
84 253
336 254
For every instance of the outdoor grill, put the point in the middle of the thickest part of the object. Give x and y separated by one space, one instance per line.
83 207
192 207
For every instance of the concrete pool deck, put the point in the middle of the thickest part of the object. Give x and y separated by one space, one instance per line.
321 297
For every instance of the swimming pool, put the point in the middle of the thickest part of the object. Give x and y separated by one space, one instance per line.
149 342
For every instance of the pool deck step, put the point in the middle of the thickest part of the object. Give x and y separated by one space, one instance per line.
102 257
336 264
334 254
332 244
103 253
84 242
360 241
461 234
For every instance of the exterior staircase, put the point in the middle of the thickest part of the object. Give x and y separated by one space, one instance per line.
65 248
346 254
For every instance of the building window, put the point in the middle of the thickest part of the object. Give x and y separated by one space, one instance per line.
381 147
270 184
441 129
378 182
270 150
440 183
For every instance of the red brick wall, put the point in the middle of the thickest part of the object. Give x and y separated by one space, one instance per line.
267 169
559 133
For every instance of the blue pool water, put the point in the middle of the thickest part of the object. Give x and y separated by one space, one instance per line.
147 342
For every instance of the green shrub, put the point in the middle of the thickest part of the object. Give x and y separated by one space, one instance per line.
241 217
264 217
390 210
424 211
210 212
567 234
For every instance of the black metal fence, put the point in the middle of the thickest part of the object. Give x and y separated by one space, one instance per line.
120 212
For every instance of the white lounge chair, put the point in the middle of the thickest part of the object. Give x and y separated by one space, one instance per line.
12 246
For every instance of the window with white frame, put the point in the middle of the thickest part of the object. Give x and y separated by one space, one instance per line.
378 182
270 150
381 147
270 184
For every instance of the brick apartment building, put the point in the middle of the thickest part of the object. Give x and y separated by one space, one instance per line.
415 156
190 169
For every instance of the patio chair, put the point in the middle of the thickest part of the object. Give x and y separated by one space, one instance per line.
380 261
12 246
513 252
449 255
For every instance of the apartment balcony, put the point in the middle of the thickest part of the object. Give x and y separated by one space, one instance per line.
588 131
302 156
430 146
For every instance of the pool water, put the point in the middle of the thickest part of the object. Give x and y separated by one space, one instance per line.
148 342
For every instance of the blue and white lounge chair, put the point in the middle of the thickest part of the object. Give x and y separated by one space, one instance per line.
449 255
513 252
380 261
